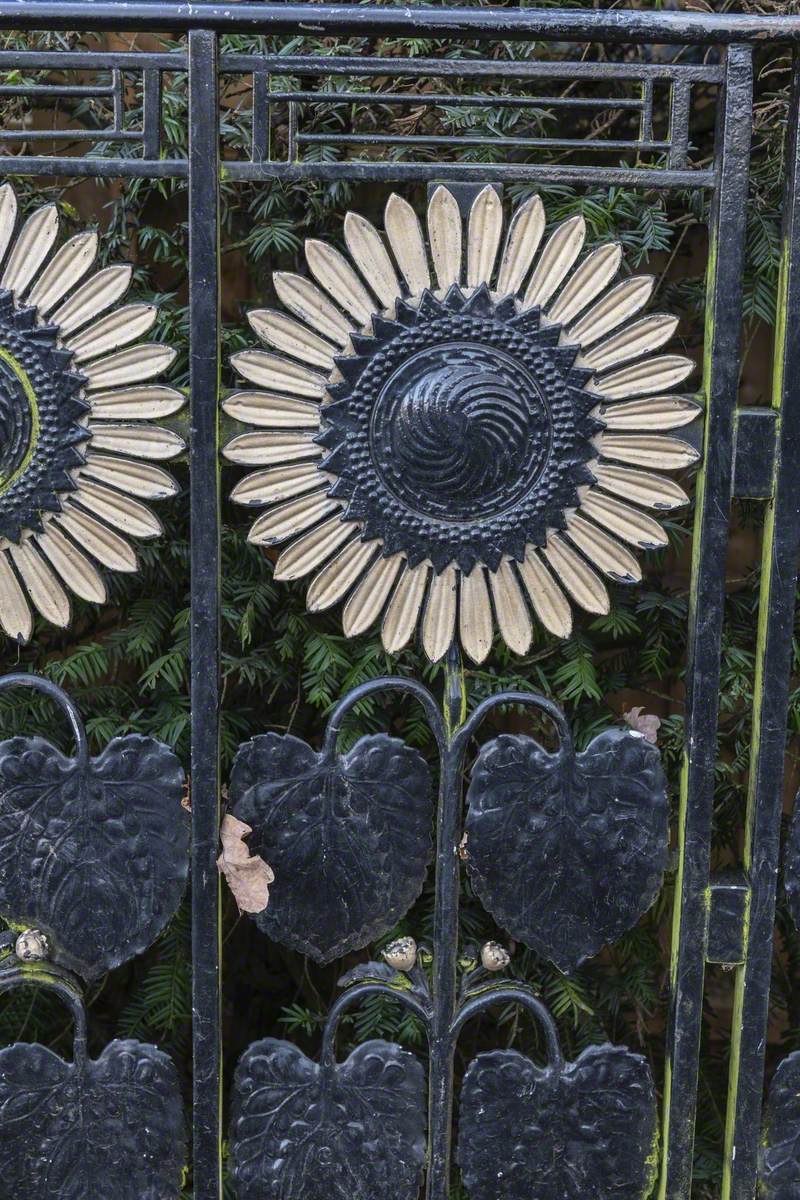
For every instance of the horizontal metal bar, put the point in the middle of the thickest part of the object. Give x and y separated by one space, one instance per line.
70 135
448 100
487 139
91 60
94 168
56 89
608 25
364 169
307 64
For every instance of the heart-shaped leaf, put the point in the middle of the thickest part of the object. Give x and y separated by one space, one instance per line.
567 851
588 1129
110 1129
353 1131
348 837
93 851
779 1169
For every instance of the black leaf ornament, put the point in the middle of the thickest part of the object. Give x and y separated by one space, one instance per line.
94 851
348 837
780 1147
349 1131
567 850
562 1132
110 1128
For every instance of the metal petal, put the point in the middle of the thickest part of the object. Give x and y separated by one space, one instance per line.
483 236
444 235
408 246
556 260
522 242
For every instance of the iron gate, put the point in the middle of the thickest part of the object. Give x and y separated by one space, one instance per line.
417 355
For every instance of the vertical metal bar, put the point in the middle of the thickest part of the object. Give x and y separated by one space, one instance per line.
119 102
260 117
445 939
680 103
205 635
771 704
706 610
151 113
292 147
646 122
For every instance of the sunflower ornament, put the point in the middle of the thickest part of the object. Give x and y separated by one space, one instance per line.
454 436
76 398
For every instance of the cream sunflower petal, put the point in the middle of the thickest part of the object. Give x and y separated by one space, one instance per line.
651 491
137 403
654 412
649 450
45 591
305 300
403 610
120 511
119 328
475 615
623 301
102 543
444 234
644 336
337 578
15 613
607 554
555 261
32 246
134 365
372 258
549 602
277 483
8 220
439 621
333 272
405 238
270 411
136 478
66 268
586 588
311 550
263 449
643 378
366 603
78 573
93 297
273 371
627 523
288 519
140 441
483 236
512 611
588 281
524 236
292 337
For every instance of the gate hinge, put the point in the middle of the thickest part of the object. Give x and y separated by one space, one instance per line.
730 893
754 460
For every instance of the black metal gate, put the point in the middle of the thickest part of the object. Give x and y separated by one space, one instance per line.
364 1125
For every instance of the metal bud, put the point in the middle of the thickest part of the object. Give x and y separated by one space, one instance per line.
494 956
32 946
401 954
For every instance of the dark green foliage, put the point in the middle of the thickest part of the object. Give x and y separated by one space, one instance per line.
126 665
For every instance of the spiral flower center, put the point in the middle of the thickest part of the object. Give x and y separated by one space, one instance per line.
460 431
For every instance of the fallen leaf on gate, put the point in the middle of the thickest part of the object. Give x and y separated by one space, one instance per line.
647 724
248 875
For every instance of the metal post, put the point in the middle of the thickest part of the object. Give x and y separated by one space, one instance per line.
706 611
205 570
771 703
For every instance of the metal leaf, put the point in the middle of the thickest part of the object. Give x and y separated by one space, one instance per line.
587 1128
110 1129
353 1131
93 851
779 1168
567 851
347 836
